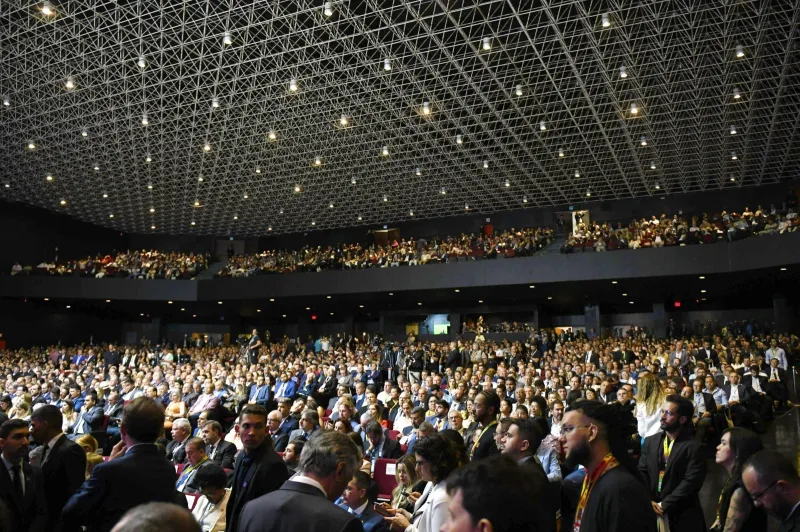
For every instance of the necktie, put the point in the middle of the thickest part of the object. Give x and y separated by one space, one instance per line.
44 455
774 373
213 451
17 469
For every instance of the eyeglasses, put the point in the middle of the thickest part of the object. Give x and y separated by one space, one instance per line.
566 429
756 496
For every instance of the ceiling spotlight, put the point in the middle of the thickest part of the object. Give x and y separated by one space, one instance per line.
736 94
149 187
105 195
145 121
63 202
485 163
426 107
196 203
226 39
84 133
69 306
317 161
561 153
47 9
258 169
443 191
148 159
387 65
657 187
192 222
280 211
245 196
733 130
518 90
353 180
588 193
466 207
31 146
70 84
385 151
6 101
733 179
327 9
524 199
417 171
141 63
269 228
206 147
733 156
459 139
235 217
293 85
385 199
152 210
605 21
411 213
343 121
652 165
577 173
739 51
643 141
297 189
272 135
542 126
487 44
49 177
200 179
96 168
110 215
359 218
623 72
507 183
214 103
634 109
313 222
330 206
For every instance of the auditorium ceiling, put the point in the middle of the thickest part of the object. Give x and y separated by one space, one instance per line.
246 118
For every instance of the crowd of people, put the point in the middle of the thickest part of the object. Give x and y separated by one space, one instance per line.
599 434
680 230
404 252
135 264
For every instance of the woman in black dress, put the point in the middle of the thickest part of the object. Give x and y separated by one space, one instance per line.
735 511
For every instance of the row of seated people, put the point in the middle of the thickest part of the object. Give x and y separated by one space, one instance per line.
132 264
404 252
681 230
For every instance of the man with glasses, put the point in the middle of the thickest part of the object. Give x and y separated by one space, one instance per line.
774 485
674 468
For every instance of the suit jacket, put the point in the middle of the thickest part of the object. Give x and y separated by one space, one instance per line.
298 434
190 484
28 514
288 425
328 385
543 507
791 523
114 412
279 441
260 396
390 449
372 521
63 472
594 358
143 475
296 506
176 452
224 455
708 399
265 473
486 446
748 380
683 478
745 392
92 421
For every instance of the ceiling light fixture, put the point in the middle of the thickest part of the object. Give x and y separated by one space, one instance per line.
733 130
658 187
524 199
152 210
110 215
31 146
733 179
426 107
272 135
226 39
214 103
6 101
141 63
84 133
733 156
149 187
459 139
327 9
466 207
47 9
518 90
105 195
507 183
739 51
623 72
343 121
577 173
206 147
485 163
245 196
70 83
49 177
542 126
736 94
235 217
385 199
145 121
605 20
313 222
359 218
652 165
385 151
200 179
96 168
148 159
352 180
411 213
258 169
634 109
387 65
296 190
192 222
417 171
561 153
317 161
487 44
643 141
330 206
588 193
443 191
293 85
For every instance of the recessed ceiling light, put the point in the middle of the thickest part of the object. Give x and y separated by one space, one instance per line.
183 309
457 290
426 107
69 306
331 313
343 120
613 282
624 295
108 301
283 315
532 286
783 269
219 302
47 299
549 297
258 310
361 306
169 302
391 293
702 291
196 203
272 300
480 301
308 308
702 277
459 139
485 163
47 9
148 159
385 199
328 297
420 304
631 302
269 228
49 177
194 315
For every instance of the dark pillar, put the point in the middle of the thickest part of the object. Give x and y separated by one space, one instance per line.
591 320
659 320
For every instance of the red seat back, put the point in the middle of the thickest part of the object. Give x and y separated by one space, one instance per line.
384 477
394 434
179 469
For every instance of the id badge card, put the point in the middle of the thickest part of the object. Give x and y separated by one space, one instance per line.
660 480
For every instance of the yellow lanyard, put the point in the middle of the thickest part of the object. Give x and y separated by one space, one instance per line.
667 450
478 439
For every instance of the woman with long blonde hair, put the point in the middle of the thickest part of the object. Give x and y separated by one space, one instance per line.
650 398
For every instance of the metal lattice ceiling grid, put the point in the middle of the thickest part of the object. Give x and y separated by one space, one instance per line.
564 58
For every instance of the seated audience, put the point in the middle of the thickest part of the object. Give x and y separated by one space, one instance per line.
210 508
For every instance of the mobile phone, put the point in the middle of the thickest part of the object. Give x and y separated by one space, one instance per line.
383 510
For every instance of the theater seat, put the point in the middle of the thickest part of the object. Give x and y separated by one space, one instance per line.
385 478
394 434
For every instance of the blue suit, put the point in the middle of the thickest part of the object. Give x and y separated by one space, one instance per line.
260 396
285 389
370 519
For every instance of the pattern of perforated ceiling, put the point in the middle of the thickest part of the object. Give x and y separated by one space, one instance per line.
527 106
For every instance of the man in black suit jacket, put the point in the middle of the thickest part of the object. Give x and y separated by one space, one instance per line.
760 402
304 503
484 410
258 469
181 431
63 462
137 473
222 452
90 418
21 484
776 383
379 445
676 495
279 438
112 357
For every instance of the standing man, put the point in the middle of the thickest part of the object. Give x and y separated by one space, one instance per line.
21 484
252 348
327 464
258 469
63 462
773 484
484 411
219 451
613 498
674 467
137 473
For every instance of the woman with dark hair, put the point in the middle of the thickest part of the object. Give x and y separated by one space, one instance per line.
735 511
436 459
457 441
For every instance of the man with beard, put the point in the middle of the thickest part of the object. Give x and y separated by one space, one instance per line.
773 484
674 468
613 498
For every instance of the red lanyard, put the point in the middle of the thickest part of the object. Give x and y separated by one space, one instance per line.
589 481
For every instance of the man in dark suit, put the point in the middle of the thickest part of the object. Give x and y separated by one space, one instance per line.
707 353
90 418
221 452
181 431
258 469
309 425
287 423
760 402
673 467
303 502
589 356
379 445
63 462
575 390
776 383
137 473
356 500
112 357
21 484
259 393
484 410
772 481
279 439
